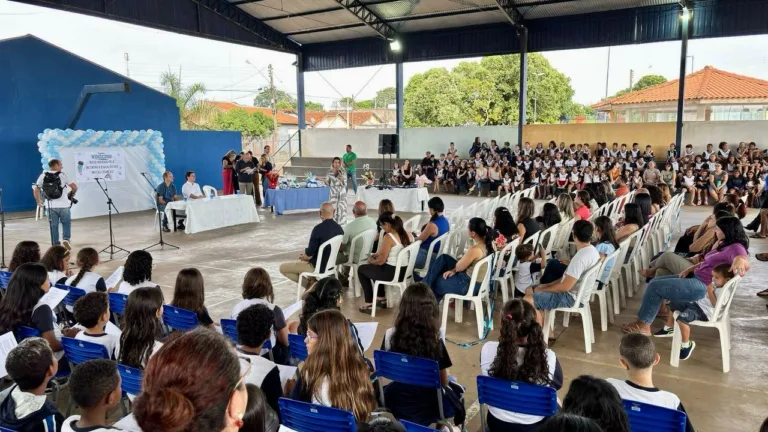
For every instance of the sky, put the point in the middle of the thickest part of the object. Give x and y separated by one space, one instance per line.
236 73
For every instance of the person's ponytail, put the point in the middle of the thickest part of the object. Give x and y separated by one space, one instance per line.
399 228
505 365
87 259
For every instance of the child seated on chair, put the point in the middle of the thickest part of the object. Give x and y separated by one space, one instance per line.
92 312
24 406
700 310
254 327
95 387
638 357
529 264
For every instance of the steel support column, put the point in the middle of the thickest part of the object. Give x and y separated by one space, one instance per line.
399 102
300 98
523 37
684 31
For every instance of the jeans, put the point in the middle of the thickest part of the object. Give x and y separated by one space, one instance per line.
352 178
554 271
63 216
670 287
479 184
456 284
421 257
264 185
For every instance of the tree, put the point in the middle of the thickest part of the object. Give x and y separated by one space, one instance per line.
313 106
384 97
430 100
193 111
252 126
364 104
642 83
264 99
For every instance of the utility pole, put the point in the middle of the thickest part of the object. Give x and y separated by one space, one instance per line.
273 93
631 79
607 72
127 69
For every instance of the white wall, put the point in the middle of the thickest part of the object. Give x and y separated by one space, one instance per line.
416 141
702 133
331 142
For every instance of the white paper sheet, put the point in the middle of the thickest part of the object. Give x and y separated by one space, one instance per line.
52 298
286 373
366 331
7 343
292 309
115 278
127 423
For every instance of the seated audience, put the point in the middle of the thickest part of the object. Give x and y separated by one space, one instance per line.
594 398
437 226
259 417
192 190
521 354
85 278
334 374
606 244
361 223
381 265
634 219
137 272
549 217
189 294
562 421
447 275
95 387
254 327
581 205
92 313
526 225
638 357
195 383
56 261
528 266
565 205
24 406
26 251
141 326
504 224
308 261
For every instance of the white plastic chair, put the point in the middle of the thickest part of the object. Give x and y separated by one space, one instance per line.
333 246
444 242
40 212
563 231
615 279
588 281
477 300
412 224
457 243
605 295
721 320
208 190
506 280
628 267
406 259
548 237
365 239
456 217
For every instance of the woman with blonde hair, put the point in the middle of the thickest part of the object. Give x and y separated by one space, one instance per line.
227 168
565 205
334 373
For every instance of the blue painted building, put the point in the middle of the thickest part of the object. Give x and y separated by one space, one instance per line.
39 86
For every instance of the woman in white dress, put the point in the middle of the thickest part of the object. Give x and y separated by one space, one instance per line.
337 181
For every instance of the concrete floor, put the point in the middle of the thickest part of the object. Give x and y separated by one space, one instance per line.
715 401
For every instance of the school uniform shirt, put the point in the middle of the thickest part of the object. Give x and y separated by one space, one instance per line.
110 341
22 411
126 288
265 375
570 163
547 164
574 177
562 181
57 277
412 403
650 395
155 348
70 425
525 274
488 355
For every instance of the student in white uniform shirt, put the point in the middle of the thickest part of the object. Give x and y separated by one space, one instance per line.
141 327
56 261
95 387
86 279
137 272
521 354
191 189
92 312
638 357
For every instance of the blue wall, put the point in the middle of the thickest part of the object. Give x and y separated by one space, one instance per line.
39 85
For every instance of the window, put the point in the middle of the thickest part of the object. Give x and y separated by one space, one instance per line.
739 112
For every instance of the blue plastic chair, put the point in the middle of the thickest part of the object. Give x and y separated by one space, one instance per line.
414 427
179 319
24 332
306 417
79 351
117 306
73 296
130 383
409 370
2 429
297 347
5 277
651 418
229 328
515 396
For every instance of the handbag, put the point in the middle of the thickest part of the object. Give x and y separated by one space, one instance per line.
454 394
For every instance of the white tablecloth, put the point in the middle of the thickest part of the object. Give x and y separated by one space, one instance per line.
405 200
207 214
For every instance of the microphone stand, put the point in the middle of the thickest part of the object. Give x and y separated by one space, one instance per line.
2 232
112 248
161 243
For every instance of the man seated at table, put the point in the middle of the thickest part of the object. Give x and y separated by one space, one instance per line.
190 188
360 224
322 232
244 169
166 192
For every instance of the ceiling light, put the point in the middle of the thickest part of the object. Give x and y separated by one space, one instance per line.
394 45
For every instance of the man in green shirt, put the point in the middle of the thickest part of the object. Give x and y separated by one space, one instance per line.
350 160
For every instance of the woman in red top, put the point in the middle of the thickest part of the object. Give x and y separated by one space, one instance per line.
581 205
227 168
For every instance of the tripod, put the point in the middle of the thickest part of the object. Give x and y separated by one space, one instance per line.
161 243
112 248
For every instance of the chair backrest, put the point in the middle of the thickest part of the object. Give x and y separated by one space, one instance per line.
24 332
365 240
117 303
533 239
443 241
548 237
457 216
78 351
5 277
651 418
470 212
611 259
179 319
306 417
482 209
635 241
73 295
229 329
458 242
484 266
514 201
208 190
407 259
297 347
131 379
332 245
412 224
492 206
406 369
724 299
517 396
512 261
587 284
382 233
564 230
414 427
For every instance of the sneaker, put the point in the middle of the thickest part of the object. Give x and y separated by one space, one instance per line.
166 229
685 353
664 332
66 244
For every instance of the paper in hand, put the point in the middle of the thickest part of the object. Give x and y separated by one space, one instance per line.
7 343
115 278
52 298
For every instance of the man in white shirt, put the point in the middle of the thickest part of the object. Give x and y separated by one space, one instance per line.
190 188
55 187
562 292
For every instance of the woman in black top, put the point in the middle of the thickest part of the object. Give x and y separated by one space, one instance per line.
526 225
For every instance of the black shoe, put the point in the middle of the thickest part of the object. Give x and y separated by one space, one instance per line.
166 229
180 227
752 227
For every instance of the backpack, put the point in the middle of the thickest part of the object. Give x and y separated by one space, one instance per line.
52 187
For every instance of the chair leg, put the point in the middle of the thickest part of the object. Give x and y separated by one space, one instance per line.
615 295
608 302
458 311
677 341
375 297
603 310
566 319
298 288
586 322
548 323
479 316
725 346
444 322
504 293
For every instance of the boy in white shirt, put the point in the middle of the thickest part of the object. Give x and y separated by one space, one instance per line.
92 312
528 266
638 357
95 387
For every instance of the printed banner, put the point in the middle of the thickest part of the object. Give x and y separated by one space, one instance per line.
104 164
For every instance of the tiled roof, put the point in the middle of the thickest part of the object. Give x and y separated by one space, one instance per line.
708 83
283 118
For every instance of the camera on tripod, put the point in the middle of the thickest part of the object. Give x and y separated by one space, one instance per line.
71 196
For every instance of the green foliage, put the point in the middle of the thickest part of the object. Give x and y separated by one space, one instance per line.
643 83
313 106
192 109
487 93
364 104
384 97
252 126
264 99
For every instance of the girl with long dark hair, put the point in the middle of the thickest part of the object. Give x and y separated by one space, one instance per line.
334 374
606 244
437 226
416 332
549 217
634 219
646 205
504 223
446 275
521 354
137 272
189 294
141 327
325 294
526 225
56 261
259 417
381 265
26 251
598 400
